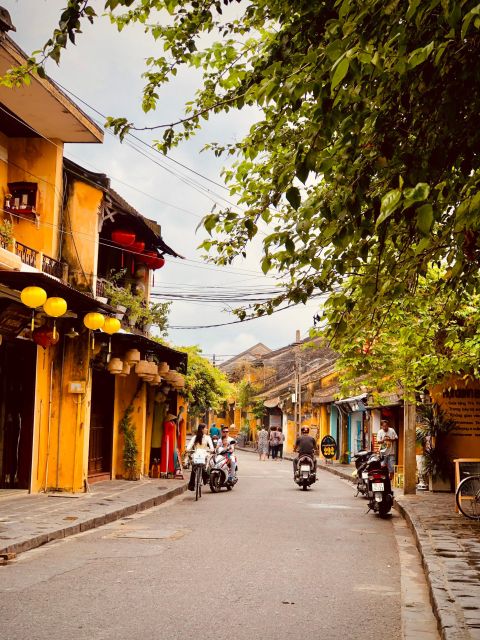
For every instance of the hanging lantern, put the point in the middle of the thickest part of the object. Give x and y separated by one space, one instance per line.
153 260
137 247
115 366
93 321
33 297
111 325
44 337
125 370
55 307
124 238
163 368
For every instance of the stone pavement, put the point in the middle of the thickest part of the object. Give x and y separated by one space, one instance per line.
31 520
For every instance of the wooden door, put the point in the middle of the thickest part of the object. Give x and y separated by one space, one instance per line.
101 423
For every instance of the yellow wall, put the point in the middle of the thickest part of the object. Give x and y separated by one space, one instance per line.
125 390
37 160
80 245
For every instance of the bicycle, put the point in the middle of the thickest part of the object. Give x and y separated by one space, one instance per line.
467 497
199 458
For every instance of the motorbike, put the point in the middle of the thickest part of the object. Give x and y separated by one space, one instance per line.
380 494
219 470
361 474
305 474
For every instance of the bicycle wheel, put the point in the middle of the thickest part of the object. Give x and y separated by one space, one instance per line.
467 497
198 482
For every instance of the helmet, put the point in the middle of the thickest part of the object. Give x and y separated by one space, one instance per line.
305 430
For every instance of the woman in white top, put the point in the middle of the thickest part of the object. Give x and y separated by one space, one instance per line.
199 441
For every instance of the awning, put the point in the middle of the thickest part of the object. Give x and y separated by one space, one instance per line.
355 403
77 301
270 403
175 359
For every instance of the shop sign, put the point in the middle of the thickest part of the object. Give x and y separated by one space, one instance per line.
328 447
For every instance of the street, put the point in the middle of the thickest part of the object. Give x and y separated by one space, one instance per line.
265 560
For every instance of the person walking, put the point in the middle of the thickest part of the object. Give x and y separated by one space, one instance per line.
280 446
274 442
262 444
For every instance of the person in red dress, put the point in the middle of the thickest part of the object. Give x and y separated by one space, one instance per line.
169 445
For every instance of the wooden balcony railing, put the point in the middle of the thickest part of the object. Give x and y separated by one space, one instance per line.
52 267
101 283
27 254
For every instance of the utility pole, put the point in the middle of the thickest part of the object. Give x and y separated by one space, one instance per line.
298 385
213 360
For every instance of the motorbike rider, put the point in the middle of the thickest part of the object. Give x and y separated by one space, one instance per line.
387 437
199 441
228 443
305 445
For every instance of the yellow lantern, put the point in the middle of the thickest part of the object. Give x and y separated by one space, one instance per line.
33 297
111 325
55 307
92 321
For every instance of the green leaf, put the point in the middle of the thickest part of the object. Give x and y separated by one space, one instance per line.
293 197
425 218
340 72
419 193
420 55
390 202
302 172
266 264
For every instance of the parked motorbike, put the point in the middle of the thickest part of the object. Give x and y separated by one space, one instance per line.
361 474
219 470
305 474
380 494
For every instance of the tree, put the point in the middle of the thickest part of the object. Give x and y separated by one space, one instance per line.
364 162
422 339
206 387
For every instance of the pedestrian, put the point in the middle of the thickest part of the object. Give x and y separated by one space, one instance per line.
280 446
214 431
262 444
199 441
274 442
387 437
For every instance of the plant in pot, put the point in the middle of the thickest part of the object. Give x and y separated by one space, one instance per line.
6 233
130 448
433 427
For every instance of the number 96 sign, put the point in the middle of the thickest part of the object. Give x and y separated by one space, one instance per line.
328 447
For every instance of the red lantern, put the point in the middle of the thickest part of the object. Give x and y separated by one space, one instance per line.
124 238
137 247
153 260
44 336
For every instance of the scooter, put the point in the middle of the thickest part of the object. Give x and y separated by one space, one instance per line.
219 470
380 494
305 474
361 474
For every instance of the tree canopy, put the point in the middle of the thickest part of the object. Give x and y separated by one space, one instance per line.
364 161
206 387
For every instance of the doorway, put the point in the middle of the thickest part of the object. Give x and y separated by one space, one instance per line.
18 363
101 426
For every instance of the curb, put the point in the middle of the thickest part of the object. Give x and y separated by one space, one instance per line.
91 523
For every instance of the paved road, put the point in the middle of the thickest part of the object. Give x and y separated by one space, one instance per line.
263 561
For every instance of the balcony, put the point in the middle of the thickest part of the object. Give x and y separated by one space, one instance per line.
32 258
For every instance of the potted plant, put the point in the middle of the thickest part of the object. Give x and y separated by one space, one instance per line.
6 233
433 427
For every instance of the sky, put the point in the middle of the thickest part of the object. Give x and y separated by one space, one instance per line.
104 72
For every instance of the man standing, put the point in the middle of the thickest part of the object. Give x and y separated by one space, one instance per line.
387 438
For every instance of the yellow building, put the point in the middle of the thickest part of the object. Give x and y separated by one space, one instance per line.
61 398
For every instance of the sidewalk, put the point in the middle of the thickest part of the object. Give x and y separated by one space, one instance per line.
31 520
449 546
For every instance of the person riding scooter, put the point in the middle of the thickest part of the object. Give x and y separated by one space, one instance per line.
226 442
305 445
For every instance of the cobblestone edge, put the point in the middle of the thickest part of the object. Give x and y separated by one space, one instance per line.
92 523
